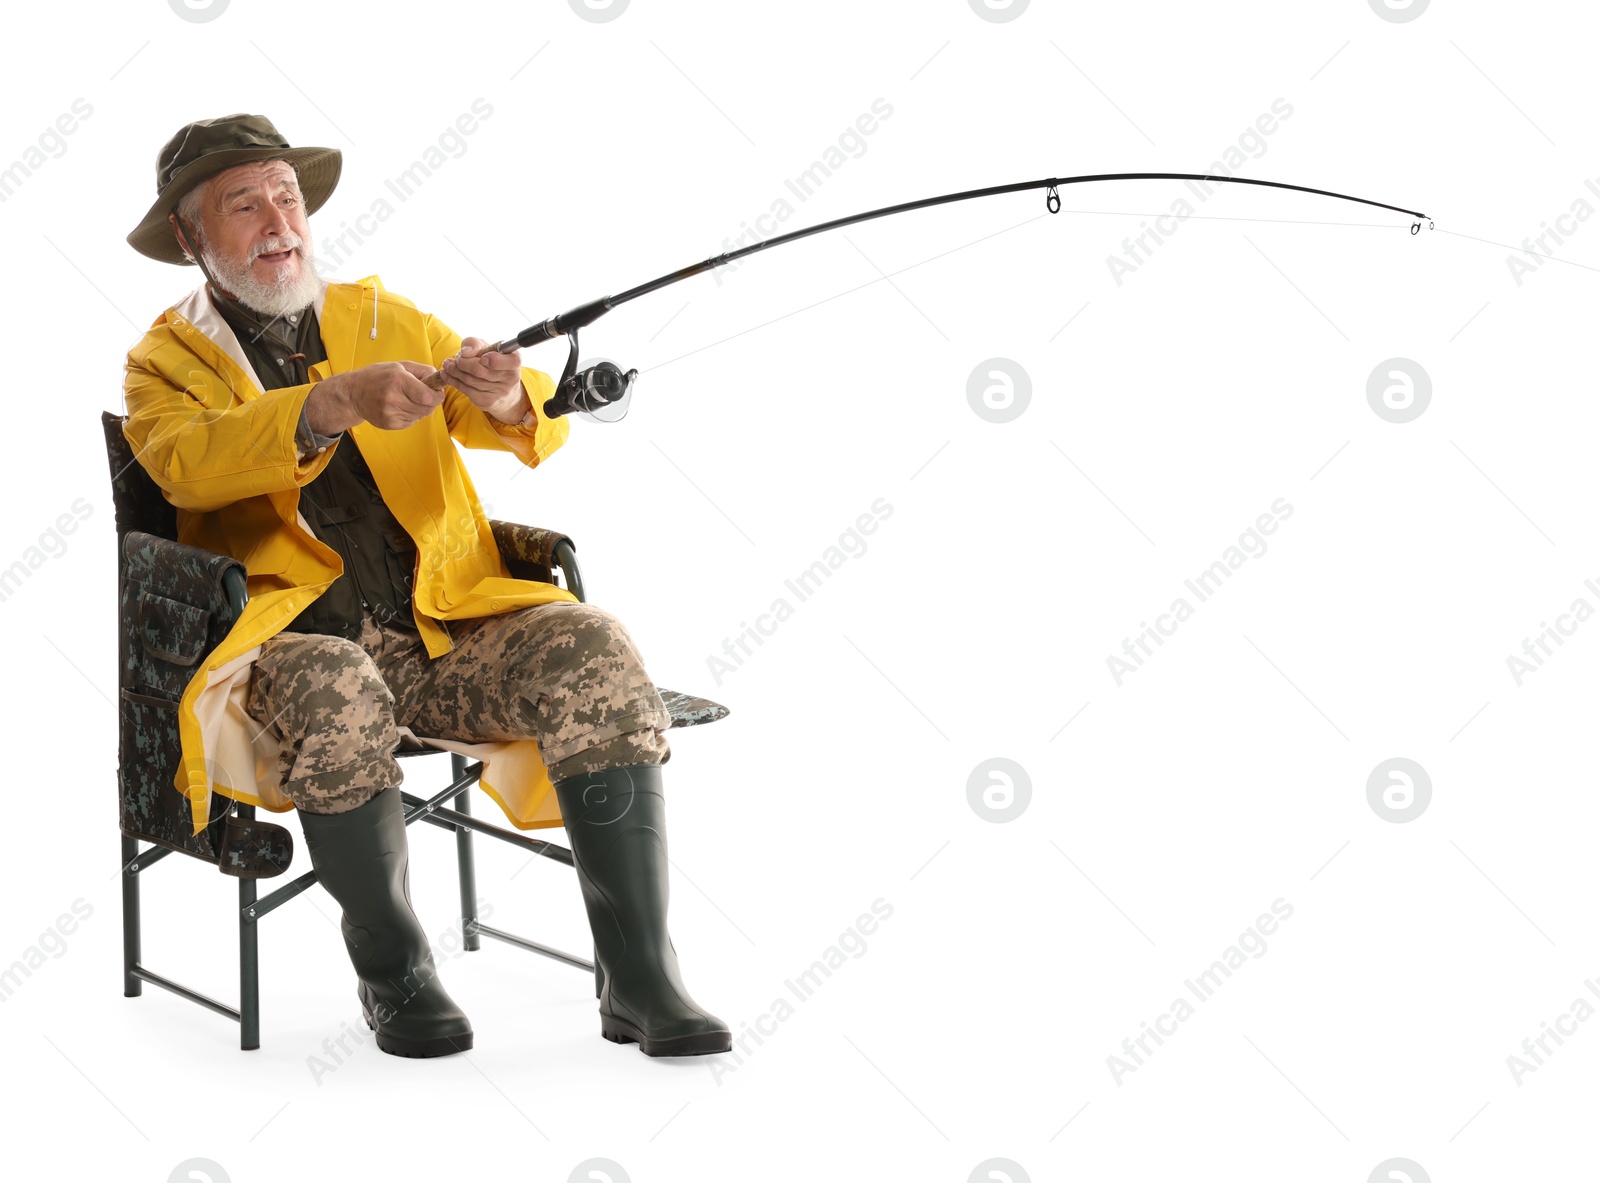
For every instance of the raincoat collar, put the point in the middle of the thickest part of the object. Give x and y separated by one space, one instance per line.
200 310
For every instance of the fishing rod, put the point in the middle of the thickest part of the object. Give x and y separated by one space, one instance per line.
604 384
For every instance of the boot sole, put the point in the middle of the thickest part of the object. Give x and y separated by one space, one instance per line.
419 1049
704 1044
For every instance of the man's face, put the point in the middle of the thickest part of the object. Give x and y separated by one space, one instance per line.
255 238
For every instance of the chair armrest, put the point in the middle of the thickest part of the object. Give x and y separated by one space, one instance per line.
533 553
188 574
176 603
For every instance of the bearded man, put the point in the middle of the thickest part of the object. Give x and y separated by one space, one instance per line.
288 420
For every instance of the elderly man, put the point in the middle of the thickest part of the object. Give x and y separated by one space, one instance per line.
289 421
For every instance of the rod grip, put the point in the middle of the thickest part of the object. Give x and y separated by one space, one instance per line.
557 326
576 318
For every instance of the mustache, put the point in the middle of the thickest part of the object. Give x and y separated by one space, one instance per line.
272 246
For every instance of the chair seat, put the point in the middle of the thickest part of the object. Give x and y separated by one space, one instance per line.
688 711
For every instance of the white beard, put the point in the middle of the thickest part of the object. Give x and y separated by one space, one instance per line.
266 298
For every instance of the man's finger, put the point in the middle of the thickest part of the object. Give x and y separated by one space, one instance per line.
415 390
474 367
473 386
496 360
433 378
492 375
477 357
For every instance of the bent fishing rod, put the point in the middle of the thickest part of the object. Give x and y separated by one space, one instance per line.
604 384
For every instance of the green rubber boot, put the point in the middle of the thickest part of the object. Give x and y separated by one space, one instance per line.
361 857
616 820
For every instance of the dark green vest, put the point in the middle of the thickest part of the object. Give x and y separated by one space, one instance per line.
342 505
346 511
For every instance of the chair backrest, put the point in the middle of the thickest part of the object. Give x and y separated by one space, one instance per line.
148 750
136 497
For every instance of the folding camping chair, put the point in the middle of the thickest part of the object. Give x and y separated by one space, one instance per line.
175 604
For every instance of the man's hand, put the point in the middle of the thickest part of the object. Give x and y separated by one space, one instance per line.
492 380
387 394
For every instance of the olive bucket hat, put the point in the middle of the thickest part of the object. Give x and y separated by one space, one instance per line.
210 146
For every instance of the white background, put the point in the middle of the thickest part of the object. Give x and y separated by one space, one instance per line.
1230 370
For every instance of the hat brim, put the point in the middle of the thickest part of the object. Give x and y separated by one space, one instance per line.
317 170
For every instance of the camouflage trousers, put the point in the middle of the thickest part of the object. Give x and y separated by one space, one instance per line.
566 674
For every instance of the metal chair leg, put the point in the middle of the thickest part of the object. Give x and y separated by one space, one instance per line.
470 939
599 974
249 959
132 987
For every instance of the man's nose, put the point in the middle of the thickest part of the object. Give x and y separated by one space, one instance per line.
274 224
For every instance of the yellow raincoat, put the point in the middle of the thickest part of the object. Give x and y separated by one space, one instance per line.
224 453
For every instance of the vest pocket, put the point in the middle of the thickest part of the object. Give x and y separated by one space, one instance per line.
402 579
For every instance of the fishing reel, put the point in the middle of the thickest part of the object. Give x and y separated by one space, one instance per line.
602 390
